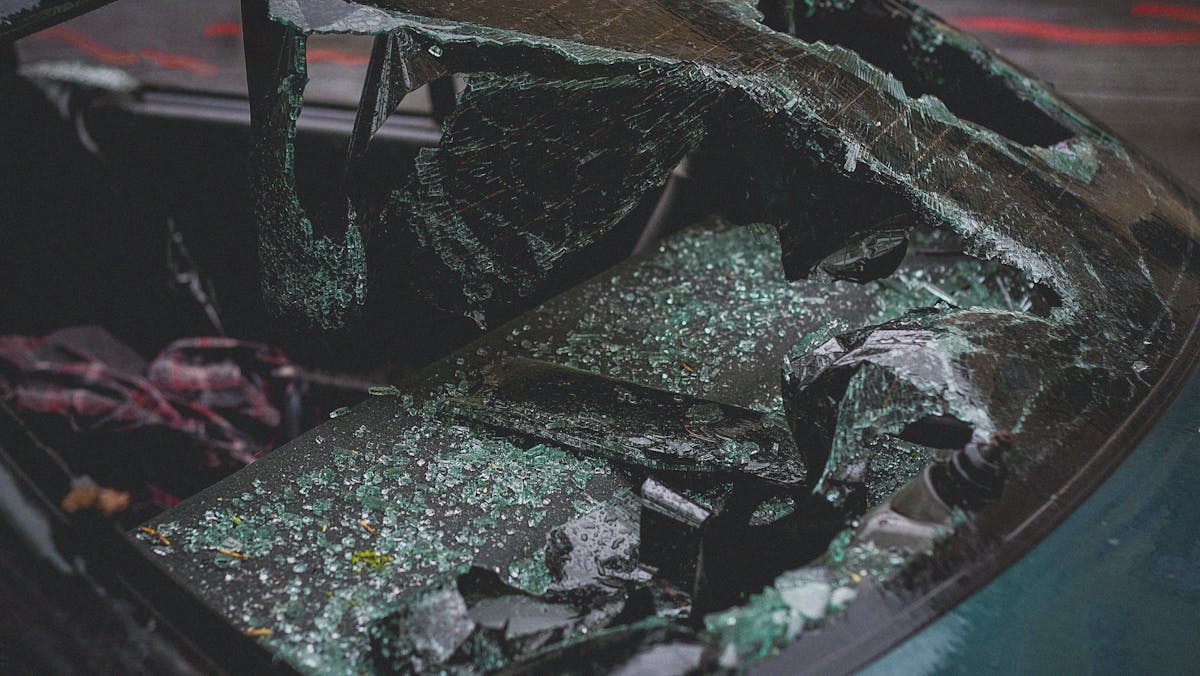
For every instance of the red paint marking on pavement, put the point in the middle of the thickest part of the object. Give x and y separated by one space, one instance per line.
116 57
223 29
1165 10
184 62
191 64
320 55
1054 32
314 54
87 45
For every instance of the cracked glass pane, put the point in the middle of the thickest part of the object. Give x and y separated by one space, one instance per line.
951 291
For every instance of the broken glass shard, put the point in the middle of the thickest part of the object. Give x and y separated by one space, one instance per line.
632 424
599 547
916 377
474 620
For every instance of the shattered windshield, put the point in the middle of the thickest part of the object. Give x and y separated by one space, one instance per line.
937 296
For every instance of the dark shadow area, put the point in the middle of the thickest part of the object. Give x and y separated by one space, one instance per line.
893 37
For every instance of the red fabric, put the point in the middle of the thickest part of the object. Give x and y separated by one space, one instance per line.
217 391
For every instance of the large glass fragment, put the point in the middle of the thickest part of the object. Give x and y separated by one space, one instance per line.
913 378
663 73
634 425
473 620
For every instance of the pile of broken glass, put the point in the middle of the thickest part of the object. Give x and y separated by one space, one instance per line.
953 290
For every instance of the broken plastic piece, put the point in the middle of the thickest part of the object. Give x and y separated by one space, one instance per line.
868 255
974 476
908 523
853 399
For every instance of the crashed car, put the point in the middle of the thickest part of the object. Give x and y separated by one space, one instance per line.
896 311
